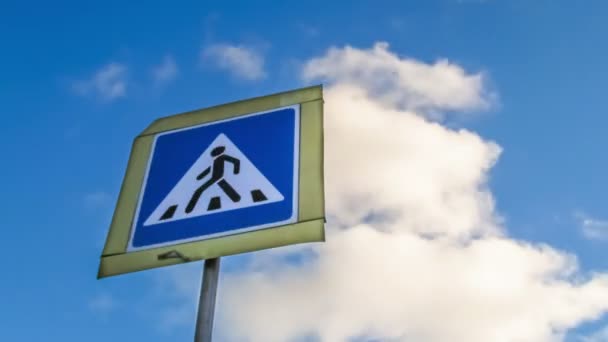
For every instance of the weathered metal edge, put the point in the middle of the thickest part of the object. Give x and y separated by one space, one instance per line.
309 231
234 109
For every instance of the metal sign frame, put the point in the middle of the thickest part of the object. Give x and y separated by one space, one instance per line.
309 227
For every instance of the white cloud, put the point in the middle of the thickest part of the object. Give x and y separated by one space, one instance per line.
415 249
165 72
402 166
241 61
401 83
399 286
108 83
592 228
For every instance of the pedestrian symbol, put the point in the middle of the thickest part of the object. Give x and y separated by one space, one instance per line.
221 179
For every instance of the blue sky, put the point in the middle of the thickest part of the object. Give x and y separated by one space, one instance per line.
66 134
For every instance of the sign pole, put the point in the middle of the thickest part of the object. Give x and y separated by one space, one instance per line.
206 301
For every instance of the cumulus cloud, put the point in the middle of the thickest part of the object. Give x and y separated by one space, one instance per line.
401 83
241 61
108 83
165 72
593 228
415 249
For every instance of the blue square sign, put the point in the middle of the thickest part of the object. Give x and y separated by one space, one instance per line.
220 178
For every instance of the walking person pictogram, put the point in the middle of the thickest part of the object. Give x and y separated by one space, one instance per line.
217 170
218 187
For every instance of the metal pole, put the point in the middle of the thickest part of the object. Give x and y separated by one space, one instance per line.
206 301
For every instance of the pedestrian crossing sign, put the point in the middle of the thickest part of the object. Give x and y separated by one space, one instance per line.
225 180
200 184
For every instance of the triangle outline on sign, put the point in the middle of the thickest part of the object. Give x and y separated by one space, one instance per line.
251 186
